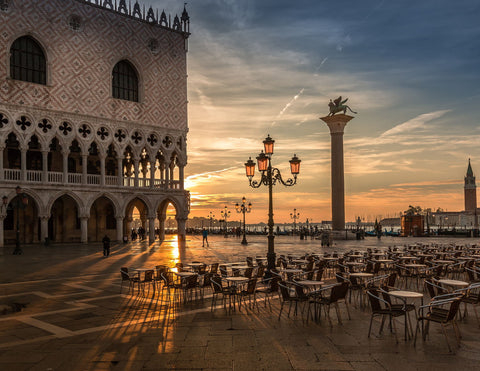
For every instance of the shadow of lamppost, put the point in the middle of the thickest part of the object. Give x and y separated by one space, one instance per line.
225 215
244 208
269 177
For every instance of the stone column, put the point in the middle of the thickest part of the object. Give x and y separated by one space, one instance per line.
44 227
181 176
23 164
181 227
84 229
119 220
336 124
84 168
2 235
136 163
2 173
152 174
65 166
102 157
167 175
161 228
120 171
151 229
45 167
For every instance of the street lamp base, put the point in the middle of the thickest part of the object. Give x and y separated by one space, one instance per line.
244 241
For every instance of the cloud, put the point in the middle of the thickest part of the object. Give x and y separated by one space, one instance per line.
418 122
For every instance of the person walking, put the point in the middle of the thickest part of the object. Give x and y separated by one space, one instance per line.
205 237
106 246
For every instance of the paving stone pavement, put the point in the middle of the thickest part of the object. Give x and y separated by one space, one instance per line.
76 319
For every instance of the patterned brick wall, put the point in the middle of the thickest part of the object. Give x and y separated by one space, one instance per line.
80 63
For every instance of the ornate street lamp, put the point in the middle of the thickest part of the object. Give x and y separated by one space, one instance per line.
269 177
20 203
244 208
210 217
295 216
225 214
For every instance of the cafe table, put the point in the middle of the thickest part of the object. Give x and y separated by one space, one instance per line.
405 296
453 283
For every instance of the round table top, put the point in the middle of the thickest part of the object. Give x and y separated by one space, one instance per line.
378 253
195 264
383 261
444 261
291 270
300 261
142 269
310 283
406 294
361 274
453 283
237 279
415 265
185 274
407 257
329 258
353 263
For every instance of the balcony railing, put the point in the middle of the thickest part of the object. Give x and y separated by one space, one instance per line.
54 177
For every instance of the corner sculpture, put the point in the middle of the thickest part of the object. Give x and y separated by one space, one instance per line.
338 106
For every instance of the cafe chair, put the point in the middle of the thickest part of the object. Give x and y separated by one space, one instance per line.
383 308
437 313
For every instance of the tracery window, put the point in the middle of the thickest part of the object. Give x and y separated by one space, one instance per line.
27 61
125 81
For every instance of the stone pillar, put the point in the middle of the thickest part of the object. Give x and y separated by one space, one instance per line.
181 176
161 228
102 157
119 220
129 228
336 124
65 166
120 171
151 229
136 163
167 175
152 174
84 229
23 164
2 173
2 235
181 227
45 167
84 168
43 227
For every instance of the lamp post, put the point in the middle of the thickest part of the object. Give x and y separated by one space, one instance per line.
210 217
225 214
295 216
269 177
244 208
20 203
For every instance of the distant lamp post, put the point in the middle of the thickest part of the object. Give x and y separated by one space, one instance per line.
244 208
269 177
21 202
210 218
225 215
295 216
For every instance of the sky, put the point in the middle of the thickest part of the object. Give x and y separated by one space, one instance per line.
257 67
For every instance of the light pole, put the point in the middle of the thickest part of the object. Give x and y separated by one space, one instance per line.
269 177
295 216
244 208
225 214
21 202
210 217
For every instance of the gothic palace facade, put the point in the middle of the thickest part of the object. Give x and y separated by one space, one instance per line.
93 119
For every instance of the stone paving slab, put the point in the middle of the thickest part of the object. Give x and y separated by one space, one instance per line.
76 319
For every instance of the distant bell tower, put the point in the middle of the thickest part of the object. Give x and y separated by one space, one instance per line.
470 190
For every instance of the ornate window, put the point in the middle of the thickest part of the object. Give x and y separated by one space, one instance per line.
125 81
27 61
4 5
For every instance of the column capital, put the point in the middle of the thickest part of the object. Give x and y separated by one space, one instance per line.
336 123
